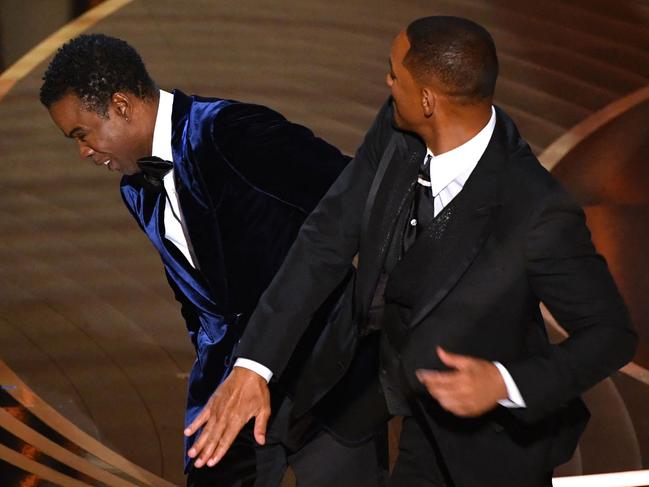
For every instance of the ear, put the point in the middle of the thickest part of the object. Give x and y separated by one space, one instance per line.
428 100
122 105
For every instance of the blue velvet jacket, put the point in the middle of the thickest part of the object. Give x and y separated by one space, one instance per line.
246 178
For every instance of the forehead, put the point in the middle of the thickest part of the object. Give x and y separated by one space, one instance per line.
69 113
400 47
67 105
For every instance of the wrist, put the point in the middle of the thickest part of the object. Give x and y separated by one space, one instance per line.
247 375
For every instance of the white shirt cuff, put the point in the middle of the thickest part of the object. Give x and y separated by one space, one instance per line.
514 397
255 367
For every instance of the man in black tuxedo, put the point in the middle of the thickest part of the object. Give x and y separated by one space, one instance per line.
460 233
221 189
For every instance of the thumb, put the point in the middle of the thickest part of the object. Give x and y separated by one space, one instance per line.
261 423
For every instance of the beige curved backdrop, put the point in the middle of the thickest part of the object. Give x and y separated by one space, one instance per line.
86 319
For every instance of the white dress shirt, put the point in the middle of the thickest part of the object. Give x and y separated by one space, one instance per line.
162 148
449 173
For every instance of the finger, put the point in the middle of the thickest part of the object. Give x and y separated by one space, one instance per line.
443 385
453 360
435 378
214 436
217 431
197 448
261 423
207 452
224 444
457 404
433 389
456 408
199 421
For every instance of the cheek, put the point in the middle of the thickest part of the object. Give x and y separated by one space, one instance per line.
396 95
113 142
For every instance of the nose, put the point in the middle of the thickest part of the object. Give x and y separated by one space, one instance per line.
388 80
84 151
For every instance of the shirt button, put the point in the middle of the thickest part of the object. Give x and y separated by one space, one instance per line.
413 222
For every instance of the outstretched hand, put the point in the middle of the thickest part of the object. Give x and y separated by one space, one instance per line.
472 388
241 396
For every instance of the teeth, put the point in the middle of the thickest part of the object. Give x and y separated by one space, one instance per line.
107 162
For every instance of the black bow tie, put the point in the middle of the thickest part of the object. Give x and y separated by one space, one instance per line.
154 169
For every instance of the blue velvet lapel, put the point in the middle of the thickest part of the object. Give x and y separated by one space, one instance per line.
191 141
148 209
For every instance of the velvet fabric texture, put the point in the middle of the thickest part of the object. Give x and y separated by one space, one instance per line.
246 178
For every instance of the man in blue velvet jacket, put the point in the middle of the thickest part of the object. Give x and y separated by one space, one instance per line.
221 189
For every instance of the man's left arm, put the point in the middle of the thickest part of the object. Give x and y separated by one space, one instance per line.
572 280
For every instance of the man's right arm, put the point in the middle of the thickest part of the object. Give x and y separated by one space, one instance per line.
318 260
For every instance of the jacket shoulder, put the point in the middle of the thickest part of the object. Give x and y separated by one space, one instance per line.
276 156
525 178
530 182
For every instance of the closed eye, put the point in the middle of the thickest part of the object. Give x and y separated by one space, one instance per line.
77 133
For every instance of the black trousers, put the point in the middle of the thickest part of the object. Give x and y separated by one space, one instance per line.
419 465
322 461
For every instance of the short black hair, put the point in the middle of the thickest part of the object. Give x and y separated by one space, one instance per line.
94 67
456 52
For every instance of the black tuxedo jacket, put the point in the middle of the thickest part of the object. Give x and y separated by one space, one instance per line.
515 238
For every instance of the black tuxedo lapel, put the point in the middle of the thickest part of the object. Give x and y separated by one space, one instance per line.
443 255
390 200
198 212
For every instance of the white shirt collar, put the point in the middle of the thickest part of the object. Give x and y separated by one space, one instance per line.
161 146
450 166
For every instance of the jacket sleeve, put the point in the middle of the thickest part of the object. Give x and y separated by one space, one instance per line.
278 157
318 260
573 281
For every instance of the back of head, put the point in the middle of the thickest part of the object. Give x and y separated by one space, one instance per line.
457 53
94 67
